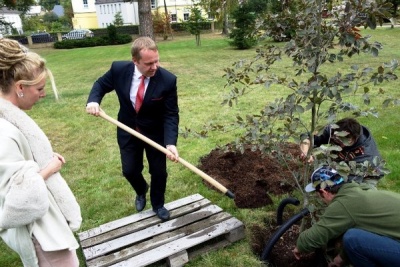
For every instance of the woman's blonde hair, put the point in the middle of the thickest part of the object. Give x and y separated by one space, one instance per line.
18 64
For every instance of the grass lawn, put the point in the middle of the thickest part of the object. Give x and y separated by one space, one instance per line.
89 144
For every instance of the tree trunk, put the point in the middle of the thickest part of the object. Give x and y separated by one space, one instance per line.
225 26
145 19
167 20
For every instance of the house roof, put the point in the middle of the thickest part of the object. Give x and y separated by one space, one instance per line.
5 10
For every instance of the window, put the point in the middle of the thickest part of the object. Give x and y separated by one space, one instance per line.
173 17
85 4
153 4
185 16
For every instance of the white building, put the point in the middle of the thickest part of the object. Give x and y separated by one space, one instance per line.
101 13
35 11
107 9
10 16
179 10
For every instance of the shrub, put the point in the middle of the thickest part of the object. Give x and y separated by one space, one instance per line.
94 41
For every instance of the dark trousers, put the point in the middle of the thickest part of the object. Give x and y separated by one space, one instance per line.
132 167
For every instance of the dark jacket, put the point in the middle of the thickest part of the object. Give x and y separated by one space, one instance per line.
158 117
365 149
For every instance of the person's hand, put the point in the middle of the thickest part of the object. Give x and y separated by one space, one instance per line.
337 262
296 253
61 158
93 108
304 158
53 166
174 155
304 147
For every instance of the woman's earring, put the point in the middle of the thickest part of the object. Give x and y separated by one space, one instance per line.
20 95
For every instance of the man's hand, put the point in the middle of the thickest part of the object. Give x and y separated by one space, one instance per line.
337 262
296 253
93 108
304 147
174 155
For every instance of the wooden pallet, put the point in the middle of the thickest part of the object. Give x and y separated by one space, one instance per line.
195 227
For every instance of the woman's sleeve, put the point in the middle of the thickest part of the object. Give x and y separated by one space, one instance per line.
23 192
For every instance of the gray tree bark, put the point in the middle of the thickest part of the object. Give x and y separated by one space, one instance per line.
145 19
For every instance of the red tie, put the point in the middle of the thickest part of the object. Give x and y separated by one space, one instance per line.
139 95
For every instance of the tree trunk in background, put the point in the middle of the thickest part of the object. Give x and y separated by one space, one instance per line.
225 26
167 21
145 19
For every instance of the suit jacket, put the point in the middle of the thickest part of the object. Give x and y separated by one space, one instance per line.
158 117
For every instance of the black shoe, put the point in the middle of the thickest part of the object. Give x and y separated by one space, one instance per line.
140 201
162 213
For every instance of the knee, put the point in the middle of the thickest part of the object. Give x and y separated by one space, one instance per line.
350 238
350 234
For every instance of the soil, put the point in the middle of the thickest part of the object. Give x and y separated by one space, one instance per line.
253 178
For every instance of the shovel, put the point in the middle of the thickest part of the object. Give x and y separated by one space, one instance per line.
206 177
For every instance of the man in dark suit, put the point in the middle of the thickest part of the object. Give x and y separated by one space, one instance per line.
151 109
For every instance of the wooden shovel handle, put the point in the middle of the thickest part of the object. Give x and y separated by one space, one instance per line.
203 175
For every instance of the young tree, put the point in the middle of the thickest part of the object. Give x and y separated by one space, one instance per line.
194 23
160 24
118 20
316 94
167 19
244 34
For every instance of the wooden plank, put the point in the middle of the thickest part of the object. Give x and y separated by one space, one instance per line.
158 240
136 217
181 244
196 226
123 241
142 224
129 252
178 259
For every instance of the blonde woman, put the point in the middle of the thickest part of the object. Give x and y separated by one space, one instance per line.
38 211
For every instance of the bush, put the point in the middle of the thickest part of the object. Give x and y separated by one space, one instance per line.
94 41
243 35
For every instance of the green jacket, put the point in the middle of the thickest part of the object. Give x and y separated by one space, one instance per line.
376 211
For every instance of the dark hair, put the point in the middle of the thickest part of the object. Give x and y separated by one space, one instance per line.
333 189
350 125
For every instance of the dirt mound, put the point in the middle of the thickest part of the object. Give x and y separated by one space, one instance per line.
252 176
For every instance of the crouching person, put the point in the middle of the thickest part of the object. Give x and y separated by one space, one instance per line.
367 221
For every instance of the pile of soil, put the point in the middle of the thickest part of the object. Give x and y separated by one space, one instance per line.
253 177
